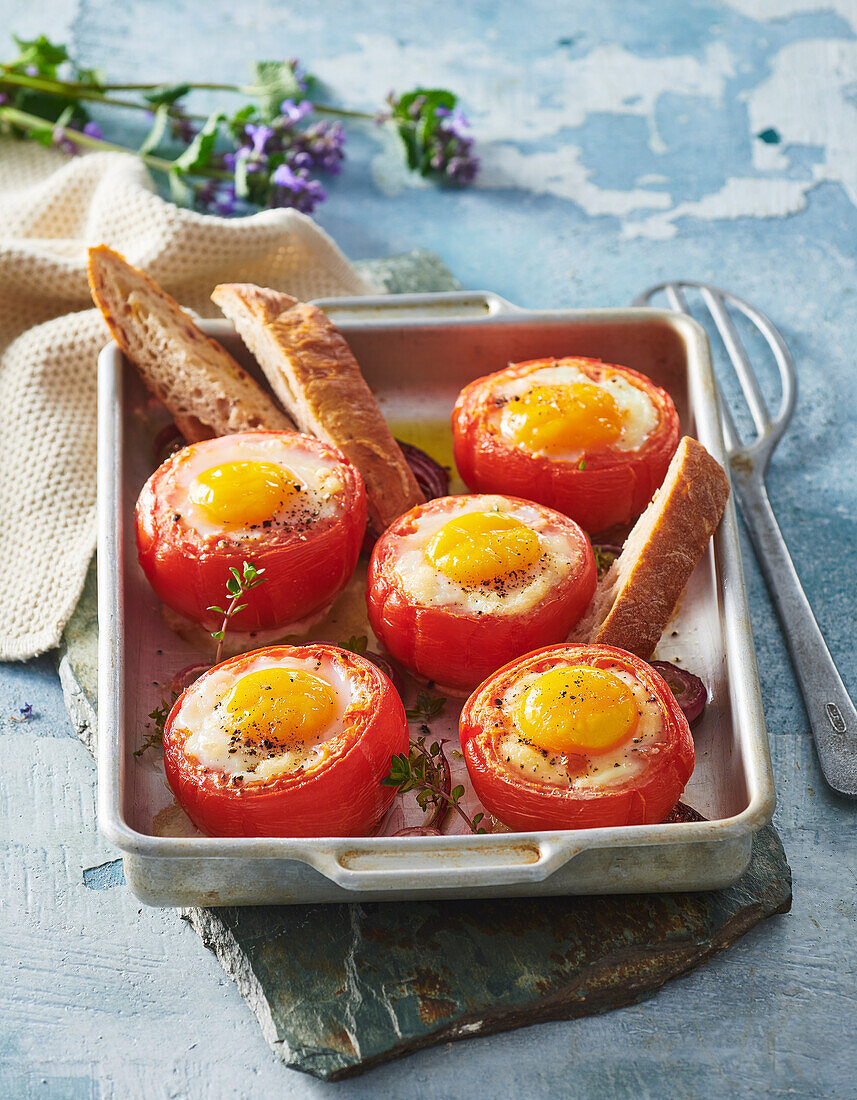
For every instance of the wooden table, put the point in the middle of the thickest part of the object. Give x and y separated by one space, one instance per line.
620 149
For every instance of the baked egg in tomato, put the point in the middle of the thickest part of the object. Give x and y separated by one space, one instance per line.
290 504
591 439
463 584
576 737
286 741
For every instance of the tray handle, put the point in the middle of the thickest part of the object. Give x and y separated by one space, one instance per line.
384 308
427 863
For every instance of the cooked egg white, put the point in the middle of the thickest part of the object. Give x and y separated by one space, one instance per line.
250 749
638 414
604 769
262 484
511 594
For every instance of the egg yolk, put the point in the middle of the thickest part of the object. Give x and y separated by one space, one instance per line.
550 419
243 493
483 547
577 709
283 704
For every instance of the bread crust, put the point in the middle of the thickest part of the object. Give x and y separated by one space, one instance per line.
313 372
204 388
638 596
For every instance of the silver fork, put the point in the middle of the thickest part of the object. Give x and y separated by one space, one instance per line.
832 715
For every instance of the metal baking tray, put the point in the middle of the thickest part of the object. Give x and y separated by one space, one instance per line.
416 352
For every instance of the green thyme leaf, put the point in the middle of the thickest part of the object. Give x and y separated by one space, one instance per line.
356 644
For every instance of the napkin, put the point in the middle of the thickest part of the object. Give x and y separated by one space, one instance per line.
52 208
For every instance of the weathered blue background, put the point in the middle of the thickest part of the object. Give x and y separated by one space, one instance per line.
619 148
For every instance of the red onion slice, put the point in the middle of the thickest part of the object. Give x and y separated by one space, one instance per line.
167 442
419 830
431 477
682 812
386 666
689 691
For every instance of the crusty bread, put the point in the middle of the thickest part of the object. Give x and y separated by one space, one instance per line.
205 390
313 372
636 599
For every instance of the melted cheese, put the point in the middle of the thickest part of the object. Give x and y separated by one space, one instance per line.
603 769
218 745
526 588
639 416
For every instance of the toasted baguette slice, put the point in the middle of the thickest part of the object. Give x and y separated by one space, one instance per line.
205 390
636 599
317 379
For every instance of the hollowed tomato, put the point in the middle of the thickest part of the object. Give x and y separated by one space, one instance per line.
290 504
286 741
534 777
457 629
595 445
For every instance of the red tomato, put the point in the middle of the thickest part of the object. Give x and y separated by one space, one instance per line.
308 552
606 487
340 795
458 647
528 804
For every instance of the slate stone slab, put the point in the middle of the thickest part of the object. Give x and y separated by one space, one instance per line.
338 989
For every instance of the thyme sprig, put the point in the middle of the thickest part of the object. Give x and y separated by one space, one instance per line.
238 585
421 770
427 707
154 739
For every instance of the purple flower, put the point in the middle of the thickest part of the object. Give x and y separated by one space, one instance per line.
296 189
260 136
63 141
93 130
217 197
299 73
181 127
24 714
323 143
295 112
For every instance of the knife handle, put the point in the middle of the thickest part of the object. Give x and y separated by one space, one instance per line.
832 715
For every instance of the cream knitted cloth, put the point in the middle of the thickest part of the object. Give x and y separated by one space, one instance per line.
51 209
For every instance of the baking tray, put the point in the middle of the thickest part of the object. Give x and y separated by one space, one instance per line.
416 352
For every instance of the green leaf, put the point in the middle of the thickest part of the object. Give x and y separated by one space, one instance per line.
200 151
239 120
477 818
166 94
240 607
456 793
180 191
356 644
219 610
274 81
770 136
218 634
41 52
159 126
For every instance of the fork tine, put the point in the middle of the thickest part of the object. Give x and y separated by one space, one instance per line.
740 359
782 357
675 298
730 433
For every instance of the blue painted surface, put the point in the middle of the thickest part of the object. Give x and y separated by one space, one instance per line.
144 1009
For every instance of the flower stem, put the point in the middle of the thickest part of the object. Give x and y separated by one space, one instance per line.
34 122
70 91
